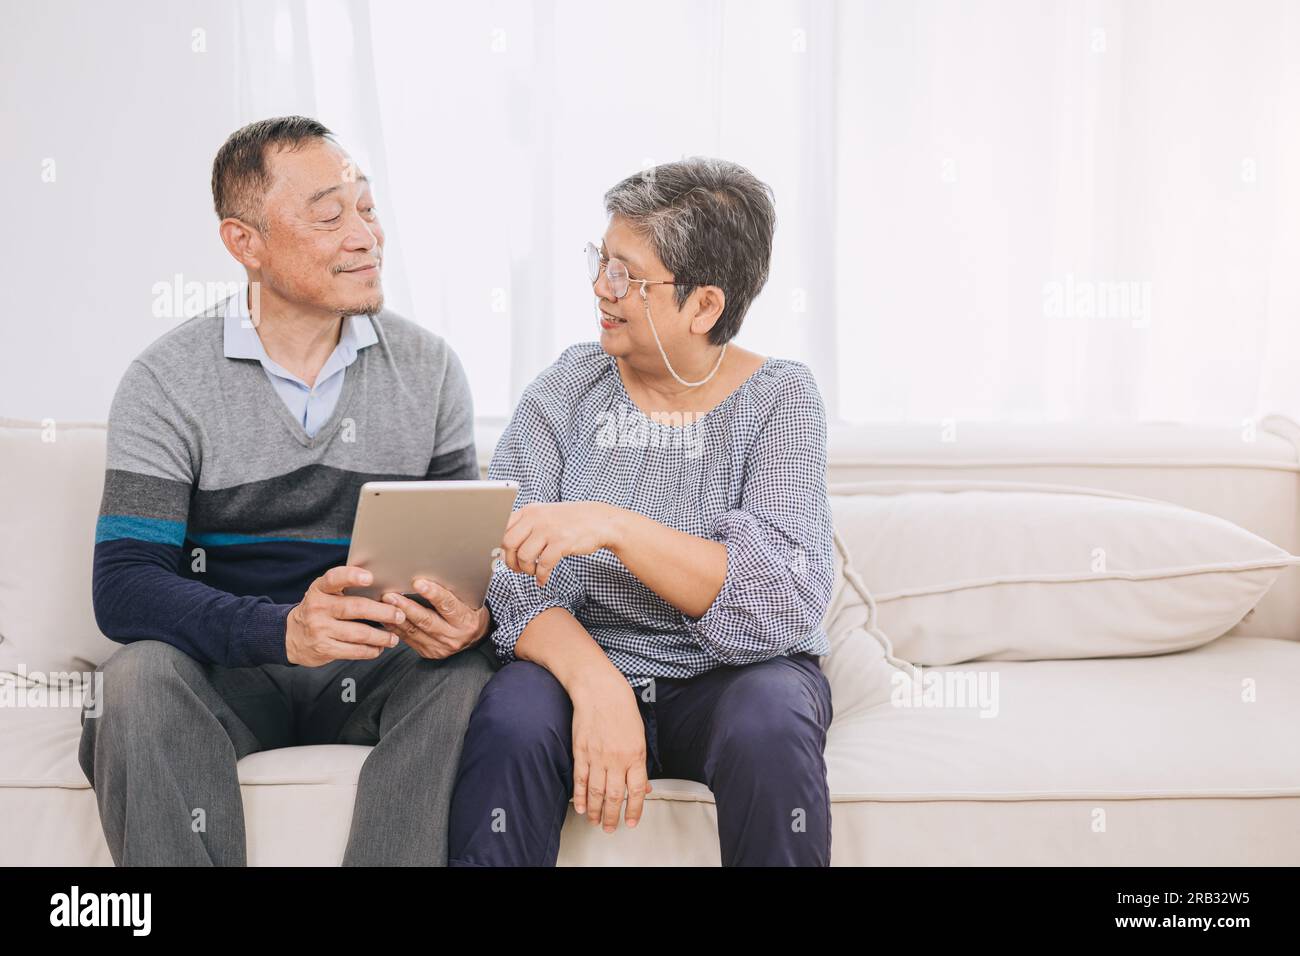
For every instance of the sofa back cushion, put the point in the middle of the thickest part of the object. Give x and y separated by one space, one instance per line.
1247 473
970 570
53 480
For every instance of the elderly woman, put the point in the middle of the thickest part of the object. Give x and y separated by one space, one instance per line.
669 562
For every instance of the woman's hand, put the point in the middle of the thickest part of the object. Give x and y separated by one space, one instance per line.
450 627
609 753
538 535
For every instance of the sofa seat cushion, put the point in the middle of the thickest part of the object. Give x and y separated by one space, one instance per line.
1181 769
38 748
1171 725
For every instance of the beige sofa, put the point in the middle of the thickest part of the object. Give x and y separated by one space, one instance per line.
1178 775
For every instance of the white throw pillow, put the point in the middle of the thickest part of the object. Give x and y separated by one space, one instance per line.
53 478
861 667
970 570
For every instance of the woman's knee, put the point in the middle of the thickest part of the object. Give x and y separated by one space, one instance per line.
778 712
522 710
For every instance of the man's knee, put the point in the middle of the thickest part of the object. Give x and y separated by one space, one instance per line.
128 688
462 675
471 668
135 672
133 688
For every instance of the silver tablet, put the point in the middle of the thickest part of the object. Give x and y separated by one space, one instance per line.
447 531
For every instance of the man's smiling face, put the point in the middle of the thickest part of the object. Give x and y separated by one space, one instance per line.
323 246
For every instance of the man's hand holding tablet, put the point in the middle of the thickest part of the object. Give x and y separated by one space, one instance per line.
328 625
447 626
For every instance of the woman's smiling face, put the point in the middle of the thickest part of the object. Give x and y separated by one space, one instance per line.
623 329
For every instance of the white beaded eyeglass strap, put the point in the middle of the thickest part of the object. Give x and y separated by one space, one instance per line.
671 371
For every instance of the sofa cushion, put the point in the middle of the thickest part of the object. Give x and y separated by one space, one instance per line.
861 667
1177 759
1215 721
53 480
971 570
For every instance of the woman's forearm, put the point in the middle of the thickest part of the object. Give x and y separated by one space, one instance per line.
555 640
686 571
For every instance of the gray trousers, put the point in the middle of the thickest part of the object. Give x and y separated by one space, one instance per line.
161 756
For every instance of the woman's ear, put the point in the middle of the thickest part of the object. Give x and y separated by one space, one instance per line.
709 303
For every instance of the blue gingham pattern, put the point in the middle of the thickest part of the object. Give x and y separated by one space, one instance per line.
750 473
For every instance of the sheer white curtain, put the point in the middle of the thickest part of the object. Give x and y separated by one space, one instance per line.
1018 167
507 121
1010 209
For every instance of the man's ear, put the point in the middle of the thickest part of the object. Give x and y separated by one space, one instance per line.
709 303
243 242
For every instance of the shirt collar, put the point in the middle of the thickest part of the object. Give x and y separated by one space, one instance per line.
241 340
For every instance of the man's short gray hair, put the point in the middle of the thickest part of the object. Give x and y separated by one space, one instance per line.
240 174
710 222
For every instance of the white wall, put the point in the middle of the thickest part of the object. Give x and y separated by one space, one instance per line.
131 118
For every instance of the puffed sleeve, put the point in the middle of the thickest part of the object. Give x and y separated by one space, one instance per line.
531 452
780 566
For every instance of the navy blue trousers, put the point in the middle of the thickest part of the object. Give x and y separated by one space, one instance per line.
755 735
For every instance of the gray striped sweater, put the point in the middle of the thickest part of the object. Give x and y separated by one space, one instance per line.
219 510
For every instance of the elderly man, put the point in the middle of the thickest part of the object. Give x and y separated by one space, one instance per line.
661 610
236 450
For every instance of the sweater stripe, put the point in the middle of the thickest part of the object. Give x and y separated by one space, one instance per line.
216 539
153 530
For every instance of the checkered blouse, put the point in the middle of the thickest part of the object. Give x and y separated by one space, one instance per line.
751 472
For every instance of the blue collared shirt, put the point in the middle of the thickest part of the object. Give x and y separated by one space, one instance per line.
310 405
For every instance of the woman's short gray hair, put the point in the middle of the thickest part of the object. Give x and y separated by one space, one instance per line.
710 222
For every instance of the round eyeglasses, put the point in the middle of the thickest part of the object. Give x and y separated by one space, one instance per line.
616 272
